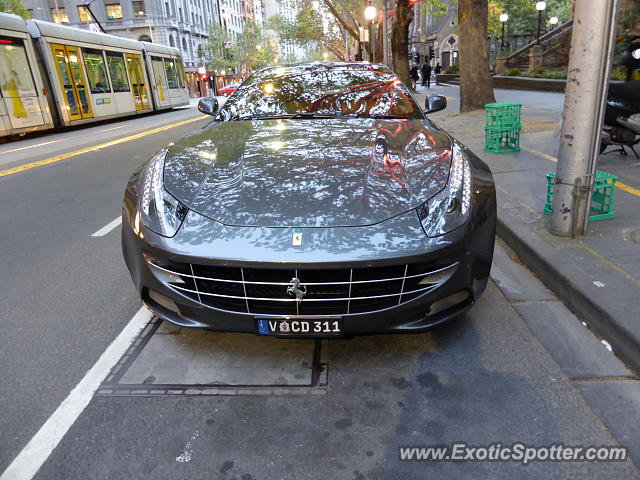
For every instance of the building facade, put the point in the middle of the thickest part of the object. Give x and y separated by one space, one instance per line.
435 36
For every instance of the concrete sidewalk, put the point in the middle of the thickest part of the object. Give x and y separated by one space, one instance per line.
597 275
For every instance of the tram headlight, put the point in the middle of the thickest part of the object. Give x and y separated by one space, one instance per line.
449 209
159 211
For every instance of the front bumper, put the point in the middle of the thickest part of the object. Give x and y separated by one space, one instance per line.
397 241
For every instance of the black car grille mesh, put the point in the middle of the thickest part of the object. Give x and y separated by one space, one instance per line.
336 291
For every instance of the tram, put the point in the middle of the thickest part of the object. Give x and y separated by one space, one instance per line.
54 76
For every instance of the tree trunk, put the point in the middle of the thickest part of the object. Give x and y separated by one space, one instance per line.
476 87
400 40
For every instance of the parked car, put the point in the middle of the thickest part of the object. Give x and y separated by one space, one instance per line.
320 201
228 89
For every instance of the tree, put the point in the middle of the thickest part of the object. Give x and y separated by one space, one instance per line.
250 51
523 16
400 39
476 88
310 29
14 6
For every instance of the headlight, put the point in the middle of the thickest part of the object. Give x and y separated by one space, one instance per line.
158 209
450 208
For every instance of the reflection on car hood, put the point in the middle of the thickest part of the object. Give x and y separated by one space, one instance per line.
308 173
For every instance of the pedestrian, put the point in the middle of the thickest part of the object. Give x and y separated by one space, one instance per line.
438 69
413 73
426 75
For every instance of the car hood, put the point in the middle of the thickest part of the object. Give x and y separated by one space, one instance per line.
308 172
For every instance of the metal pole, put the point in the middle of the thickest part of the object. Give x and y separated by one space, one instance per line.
385 35
539 20
372 37
502 38
592 43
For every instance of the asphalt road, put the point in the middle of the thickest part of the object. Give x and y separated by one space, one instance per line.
492 376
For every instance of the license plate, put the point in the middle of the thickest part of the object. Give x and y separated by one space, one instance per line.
300 327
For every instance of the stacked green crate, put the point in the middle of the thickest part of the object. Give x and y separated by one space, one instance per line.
502 127
604 187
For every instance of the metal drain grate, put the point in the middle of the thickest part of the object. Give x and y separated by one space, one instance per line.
166 360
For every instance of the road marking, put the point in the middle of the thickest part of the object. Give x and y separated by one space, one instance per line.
107 228
619 184
31 146
33 456
114 128
64 156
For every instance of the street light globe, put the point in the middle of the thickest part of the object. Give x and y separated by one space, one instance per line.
325 55
315 4
370 12
553 20
504 17
259 47
541 6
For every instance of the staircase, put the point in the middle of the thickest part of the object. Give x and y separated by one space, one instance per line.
520 58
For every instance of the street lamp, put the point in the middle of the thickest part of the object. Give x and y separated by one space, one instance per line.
553 21
370 14
325 55
315 5
540 6
503 19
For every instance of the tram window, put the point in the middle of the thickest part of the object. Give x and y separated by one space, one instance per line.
170 68
118 72
180 71
96 72
15 75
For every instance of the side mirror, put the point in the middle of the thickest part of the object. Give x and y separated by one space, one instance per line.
435 103
208 105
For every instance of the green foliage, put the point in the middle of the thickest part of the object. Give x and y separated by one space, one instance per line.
620 73
310 28
452 69
14 6
511 72
250 51
523 16
538 72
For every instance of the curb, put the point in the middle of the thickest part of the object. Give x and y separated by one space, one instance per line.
548 262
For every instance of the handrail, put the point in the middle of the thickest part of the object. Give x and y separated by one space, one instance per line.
544 38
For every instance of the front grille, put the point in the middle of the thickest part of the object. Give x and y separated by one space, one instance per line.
336 291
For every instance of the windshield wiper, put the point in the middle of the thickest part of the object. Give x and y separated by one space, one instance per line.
374 115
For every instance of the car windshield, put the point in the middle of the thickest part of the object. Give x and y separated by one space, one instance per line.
319 91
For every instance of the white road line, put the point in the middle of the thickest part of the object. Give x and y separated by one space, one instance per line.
114 128
30 146
31 458
107 228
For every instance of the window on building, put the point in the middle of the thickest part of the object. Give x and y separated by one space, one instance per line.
180 12
59 15
167 9
96 71
113 10
172 41
83 13
138 8
118 72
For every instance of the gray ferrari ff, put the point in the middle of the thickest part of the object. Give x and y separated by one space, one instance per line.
320 201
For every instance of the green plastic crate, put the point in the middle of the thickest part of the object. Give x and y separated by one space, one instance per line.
604 188
503 141
502 116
